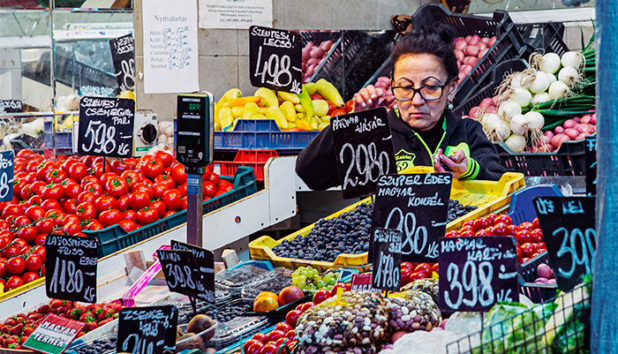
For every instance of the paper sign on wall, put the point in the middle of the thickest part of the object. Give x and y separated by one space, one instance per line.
235 14
170 46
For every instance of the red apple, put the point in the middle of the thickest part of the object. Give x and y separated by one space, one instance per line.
290 294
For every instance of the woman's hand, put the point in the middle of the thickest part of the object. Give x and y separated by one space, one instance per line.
371 97
457 163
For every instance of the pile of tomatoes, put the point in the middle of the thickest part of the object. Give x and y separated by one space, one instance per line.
413 271
15 330
528 234
74 194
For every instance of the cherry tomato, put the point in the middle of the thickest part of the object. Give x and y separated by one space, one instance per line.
480 224
536 235
503 218
72 228
527 249
94 225
35 212
34 263
255 348
535 223
467 233
249 343
452 233
15 265
523 236
500 229
29 276
27 233
415 276
526 226
260 337
45 226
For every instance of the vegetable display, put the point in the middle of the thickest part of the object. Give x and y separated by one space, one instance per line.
469 50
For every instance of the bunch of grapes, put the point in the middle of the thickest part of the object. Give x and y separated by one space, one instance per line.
309 279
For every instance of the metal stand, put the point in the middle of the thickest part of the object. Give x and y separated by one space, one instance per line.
194 208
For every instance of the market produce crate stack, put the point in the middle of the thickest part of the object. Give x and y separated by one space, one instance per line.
255 159
545 37
313 58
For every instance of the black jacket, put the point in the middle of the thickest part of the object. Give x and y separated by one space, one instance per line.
317 165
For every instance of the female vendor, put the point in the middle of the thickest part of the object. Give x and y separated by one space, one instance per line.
425 132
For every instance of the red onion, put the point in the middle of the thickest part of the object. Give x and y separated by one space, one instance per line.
461 45
559 129
558 139
571 132
569 123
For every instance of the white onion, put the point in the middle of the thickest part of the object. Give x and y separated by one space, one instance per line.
519 125
522 97
568 75
558 90
550 63
503 130
535 120
515 142
540 83
490 121
572 59
551 78
540 98
508 110
516 81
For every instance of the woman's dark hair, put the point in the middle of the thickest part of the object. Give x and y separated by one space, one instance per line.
436 40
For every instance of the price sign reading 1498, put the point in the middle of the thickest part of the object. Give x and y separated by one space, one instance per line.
275 59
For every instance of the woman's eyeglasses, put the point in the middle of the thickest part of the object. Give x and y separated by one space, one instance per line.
428 92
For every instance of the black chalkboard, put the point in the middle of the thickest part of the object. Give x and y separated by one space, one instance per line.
386 263
206 269
476 272
147 329
591 165
416 205
11 106
275 59
6 175
106 126
71 268
364 150
568 225
178 268
123 56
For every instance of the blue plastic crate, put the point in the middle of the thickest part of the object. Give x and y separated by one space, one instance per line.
114 238
522 209
261 134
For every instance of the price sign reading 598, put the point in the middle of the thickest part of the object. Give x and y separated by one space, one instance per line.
6 175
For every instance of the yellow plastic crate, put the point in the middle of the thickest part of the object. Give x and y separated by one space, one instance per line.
488 196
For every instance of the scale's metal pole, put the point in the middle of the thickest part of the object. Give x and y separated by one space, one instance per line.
194 208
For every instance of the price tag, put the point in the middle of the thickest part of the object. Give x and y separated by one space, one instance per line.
105 126
568 225
416 205
147 329
206 269
11 106
179 270
123 56
71 268
363 282
275 59
53 335
476 272
591 165
386 259
364 150
6 175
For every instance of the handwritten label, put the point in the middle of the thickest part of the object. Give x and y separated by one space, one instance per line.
6 175
123 56
275 59
179 271
106 126
206 269
416 205
147 329
477 272
568 225
591 165
11 106
363 282
386 271
53 335
364 150
71 264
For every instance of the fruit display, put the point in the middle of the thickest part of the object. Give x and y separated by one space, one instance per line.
309 110
246 276
411 272
469 50
275 283
222 312
309 279
545 275
269 301
16 329
313 55
528 234
282 335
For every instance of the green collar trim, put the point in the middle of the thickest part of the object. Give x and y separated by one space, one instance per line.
421 139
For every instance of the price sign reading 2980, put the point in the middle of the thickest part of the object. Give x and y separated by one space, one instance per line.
106 126
275 59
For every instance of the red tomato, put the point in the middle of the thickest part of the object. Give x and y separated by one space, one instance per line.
118 166
71 218
172 199
500 229
292 317
152 168
86 211
40 239
55 176
105 202
12 209
94 225
78 171
290 335
130 176
129 214
34 263
21 221
71 190
169 213
182 189
164 157
424 268
527 249
117 187
146 216
86 196
405 273
29 276
128 225
523 236
214 178
69 205
535 223
2 267
225 185
249 343
319 296
123 202
503 218
468 223
109 217
512 229
105 177
165 180
275 334
260 337
452 233
15 265
434 267
50 204
35 212
143 187
28 233
415 276
158 189
45 226
159 206
255 348
179 174
14 282
481 223
209 188
72 228
467 233
52 191
94 188
536 235
139 200
87 180
526 226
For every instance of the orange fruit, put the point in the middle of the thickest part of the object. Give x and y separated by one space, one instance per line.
265 304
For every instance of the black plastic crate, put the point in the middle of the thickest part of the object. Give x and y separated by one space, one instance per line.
509 44
537 292
569 160
544 37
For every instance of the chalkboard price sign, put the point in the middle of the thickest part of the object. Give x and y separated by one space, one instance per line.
6 175
71 264
11 106
416 205
591 165
386 271
568 225
179 271
477 272
275 59
206 269
364 150
123 56
147 329
106 126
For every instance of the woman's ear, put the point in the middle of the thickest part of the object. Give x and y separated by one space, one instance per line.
452 89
